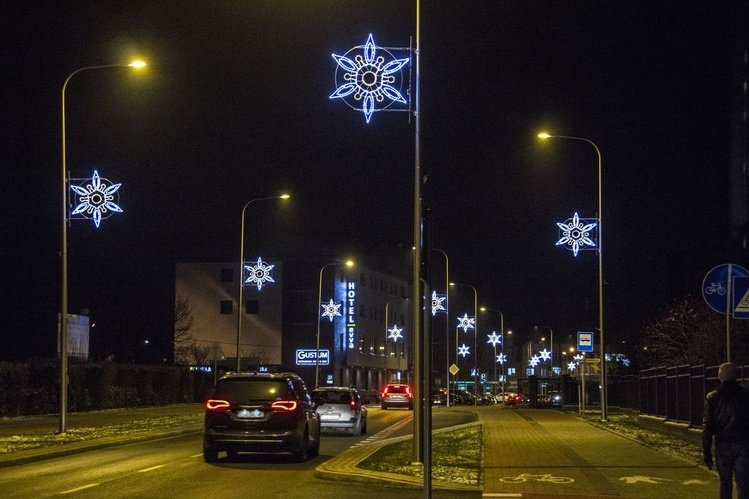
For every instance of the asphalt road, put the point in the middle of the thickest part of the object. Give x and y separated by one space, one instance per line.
174 467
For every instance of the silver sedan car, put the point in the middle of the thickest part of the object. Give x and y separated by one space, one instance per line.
340 409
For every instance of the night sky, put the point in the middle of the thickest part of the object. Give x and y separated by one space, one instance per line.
234 106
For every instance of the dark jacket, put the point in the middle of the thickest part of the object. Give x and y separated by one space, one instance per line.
726 415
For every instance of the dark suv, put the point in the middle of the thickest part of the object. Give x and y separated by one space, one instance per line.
261 412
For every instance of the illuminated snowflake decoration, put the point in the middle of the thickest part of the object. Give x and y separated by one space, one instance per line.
501 358
533 361
96 199
578 357
625 362
395 333
259 273
545 354
494 338
572 366
437 302
369 81
330 309
464 350
466 322
575 233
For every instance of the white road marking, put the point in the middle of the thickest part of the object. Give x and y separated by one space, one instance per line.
79 488
151 468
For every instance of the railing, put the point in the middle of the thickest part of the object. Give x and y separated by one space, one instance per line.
675 393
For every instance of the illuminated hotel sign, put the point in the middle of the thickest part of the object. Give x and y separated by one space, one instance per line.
351 314
306 357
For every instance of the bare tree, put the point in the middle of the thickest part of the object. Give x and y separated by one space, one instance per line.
184 337
689 332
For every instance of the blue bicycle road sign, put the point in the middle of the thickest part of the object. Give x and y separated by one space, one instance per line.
717 286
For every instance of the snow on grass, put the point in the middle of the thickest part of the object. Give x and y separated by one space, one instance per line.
27 441
677 441
456 457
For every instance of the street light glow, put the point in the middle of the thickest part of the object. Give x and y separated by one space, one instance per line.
543 135
137 64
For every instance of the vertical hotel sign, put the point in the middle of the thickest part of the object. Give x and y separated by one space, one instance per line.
351 314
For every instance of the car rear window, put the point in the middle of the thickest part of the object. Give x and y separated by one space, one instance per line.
397 389
333 396
246 390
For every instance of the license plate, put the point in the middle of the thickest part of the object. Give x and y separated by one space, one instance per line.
250 414
329 417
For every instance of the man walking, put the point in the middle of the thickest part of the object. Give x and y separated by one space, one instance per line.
726 418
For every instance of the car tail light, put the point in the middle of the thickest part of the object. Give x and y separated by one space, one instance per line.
217 405
408 392
284 405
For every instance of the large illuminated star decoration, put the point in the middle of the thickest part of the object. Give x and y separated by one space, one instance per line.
330 309
464 350
501 358
575 233
545 354
494 338
369 81
97 199
466 322
571 366
437 303
533 361
259 273
395 333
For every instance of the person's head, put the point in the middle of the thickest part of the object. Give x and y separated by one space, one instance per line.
728 372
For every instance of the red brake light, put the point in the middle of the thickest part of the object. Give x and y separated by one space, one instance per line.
284 405
216 405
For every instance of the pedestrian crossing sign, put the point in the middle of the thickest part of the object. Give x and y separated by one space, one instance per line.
741 297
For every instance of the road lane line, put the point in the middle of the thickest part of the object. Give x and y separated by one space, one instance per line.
151 468
79 488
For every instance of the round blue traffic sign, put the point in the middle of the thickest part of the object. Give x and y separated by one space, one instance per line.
716 286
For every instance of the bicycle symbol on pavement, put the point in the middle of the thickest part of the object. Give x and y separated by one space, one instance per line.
715 287
527 477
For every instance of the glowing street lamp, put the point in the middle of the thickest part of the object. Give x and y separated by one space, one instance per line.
329 310
64 249
604 403
259 274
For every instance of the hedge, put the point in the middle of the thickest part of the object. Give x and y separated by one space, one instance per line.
33 387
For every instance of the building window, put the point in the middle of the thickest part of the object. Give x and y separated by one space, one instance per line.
227 275
382 347
371 346
227 307
251 307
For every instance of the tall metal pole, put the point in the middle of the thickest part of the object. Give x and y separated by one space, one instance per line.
447 325
418 427
241 276
63 338
319 304
475 336
604 401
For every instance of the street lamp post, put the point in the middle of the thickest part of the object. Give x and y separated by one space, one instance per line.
241 276
64 249
551 344
502 336
348 263
475 335
447 325
604 403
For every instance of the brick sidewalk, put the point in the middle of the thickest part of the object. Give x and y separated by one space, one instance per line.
542 451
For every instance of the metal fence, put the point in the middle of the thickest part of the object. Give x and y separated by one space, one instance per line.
675 393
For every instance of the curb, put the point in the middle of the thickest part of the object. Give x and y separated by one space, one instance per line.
345 465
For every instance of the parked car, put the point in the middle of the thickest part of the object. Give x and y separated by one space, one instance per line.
340 409
262 413
397 395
